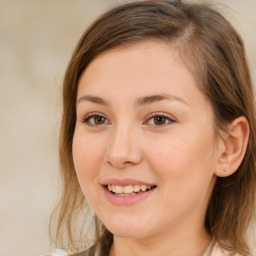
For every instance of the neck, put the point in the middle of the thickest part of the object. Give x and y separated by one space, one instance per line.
172 243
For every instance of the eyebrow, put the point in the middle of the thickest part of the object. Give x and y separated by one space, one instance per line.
93 99
139 102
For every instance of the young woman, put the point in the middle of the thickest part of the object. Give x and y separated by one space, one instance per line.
158 135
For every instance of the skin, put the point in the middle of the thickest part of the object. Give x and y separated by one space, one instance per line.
179 156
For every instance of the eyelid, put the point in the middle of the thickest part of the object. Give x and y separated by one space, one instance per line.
86 118
161 114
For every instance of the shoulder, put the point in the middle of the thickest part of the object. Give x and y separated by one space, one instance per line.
83 253
92 251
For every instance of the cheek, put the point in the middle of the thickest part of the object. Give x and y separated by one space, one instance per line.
87 154
185 173
184 163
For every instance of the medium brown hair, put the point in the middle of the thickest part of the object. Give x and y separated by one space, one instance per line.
214 52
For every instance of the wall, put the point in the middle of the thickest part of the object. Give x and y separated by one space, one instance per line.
36 41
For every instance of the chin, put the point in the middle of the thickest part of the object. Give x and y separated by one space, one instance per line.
127 228
131 233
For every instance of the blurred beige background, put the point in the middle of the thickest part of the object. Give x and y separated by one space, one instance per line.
36 42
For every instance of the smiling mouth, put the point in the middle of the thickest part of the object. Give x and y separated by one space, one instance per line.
128 190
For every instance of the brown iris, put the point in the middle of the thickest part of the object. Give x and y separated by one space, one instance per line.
99 120
159 120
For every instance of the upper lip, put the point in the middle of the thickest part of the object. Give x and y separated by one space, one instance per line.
125 182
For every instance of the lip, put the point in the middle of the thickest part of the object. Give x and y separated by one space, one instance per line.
127 200
125 182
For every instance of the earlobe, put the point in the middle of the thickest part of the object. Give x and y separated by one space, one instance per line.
235 145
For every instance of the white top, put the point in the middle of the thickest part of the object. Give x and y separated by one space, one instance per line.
209 249
215 250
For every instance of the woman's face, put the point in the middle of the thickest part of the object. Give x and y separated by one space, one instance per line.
142 123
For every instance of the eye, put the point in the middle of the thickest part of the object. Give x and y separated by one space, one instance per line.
159 119
95 119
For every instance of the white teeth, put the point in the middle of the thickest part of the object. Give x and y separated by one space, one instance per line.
143 187
119 189
136 188
128 189
131 194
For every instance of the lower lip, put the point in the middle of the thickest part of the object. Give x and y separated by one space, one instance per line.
127 200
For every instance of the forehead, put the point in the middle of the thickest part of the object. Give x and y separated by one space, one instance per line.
131 60
139 69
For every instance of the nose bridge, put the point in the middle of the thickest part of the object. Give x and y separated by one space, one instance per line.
121 134
122 148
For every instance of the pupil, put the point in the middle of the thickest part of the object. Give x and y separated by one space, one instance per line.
159 120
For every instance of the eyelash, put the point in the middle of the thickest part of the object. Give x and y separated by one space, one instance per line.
166 118
87 118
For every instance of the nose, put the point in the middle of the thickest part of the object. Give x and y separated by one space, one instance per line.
122 148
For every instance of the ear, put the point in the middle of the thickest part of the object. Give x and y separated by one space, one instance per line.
234 145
